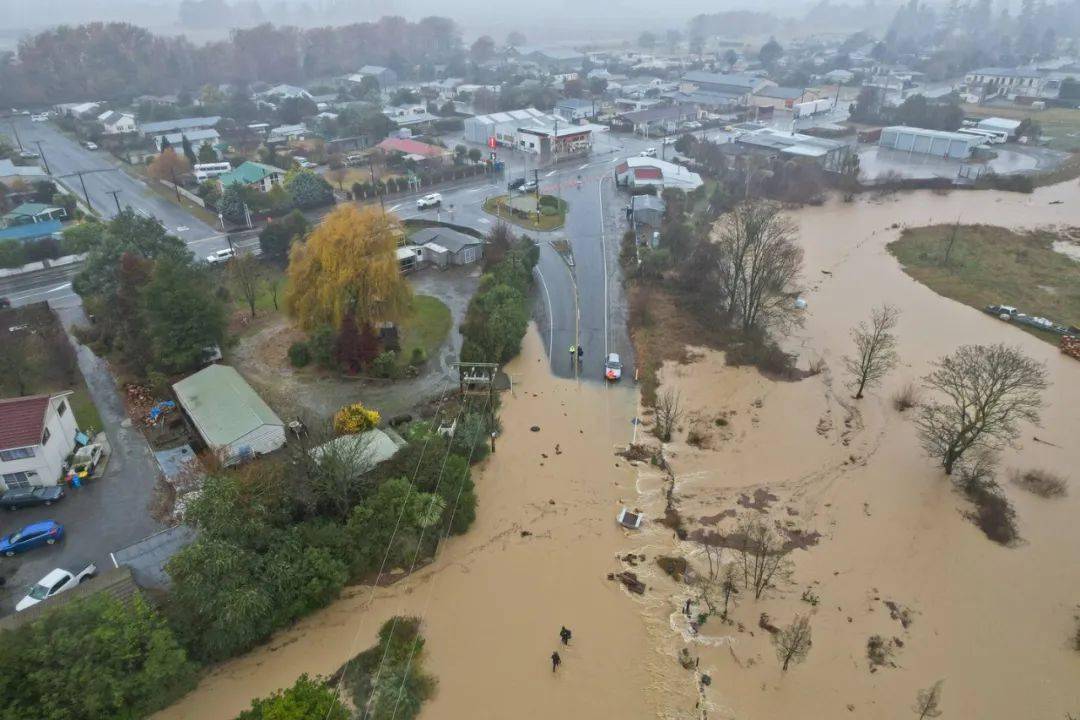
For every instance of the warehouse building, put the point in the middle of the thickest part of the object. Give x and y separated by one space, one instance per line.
503 126
930 142
829 154
531 131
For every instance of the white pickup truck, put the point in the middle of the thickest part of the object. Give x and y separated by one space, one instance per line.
56 582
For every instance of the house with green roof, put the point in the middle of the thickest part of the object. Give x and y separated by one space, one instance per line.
253 174
229 415
29 213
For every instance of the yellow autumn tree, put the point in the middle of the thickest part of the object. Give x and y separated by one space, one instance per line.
355 418
348 266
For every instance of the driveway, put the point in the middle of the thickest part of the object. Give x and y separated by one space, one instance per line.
102 516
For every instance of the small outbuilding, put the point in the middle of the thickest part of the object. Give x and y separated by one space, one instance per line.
444 247
229 415
647 210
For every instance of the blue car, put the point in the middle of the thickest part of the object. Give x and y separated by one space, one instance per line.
31 536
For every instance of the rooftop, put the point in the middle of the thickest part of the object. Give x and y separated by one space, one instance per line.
222 405
31 231
249 172
790 143
452 240
22 420
412 147
191 123
10 169
742 81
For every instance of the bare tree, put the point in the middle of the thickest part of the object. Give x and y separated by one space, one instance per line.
928 701
989 390
728 586
757 264
273 284
719 582
763 556
793 642
668 413
246 274
875 349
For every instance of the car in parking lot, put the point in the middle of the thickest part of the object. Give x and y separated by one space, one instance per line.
90 145
28 155
31 536
28 497
429 201
56 582
612 367
220 256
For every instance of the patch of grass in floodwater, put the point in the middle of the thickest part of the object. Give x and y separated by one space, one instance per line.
990 265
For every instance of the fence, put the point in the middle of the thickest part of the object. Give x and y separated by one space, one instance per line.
186 193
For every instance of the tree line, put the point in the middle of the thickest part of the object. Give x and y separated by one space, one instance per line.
118 61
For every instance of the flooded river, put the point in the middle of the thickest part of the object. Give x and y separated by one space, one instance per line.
895 556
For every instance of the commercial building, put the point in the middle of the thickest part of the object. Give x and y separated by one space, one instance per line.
741 85
229 415
666 119
179 125
645 172
929 142
830 154
531 131
779 98
574 109
37 433
413 149
998 124
1006 81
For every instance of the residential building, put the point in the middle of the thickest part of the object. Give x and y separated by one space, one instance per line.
32 231
443 247
253 174
742 85
658 120
575 109
414 149
780 98
179 125
829 154
37 434
384 76
408 115
79 110
644 172
551 59
647 210
197 138
284 92
117 123
229 415
28 213
284 133
930 142
1009 82
10 172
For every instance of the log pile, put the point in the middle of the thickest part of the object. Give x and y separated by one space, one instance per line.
1070 346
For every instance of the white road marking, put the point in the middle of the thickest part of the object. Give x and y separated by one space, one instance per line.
474 190
551 317
603 241
142 212
395 207
34 293
551 173
485 221
583 166
182 228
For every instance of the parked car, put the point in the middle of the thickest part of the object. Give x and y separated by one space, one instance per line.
86 460
612 367
220 256
692 125
90 145
56 582
515 184
31 536
429 201
648 152
1003 312
304 162
40 117
530 186
26 497
28 155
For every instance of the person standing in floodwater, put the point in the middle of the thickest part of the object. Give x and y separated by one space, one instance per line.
556 661
564 635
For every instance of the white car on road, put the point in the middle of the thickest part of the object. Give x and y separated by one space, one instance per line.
56 582
612 367
648 152
428 201
41 117
220 256
90 145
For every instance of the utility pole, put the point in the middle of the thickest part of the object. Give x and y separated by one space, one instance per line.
176 187
115 196
43 160
16 131
85 194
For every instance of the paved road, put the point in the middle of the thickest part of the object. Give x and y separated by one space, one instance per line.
105 514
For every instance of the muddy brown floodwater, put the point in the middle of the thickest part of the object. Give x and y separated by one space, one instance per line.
895 557
495 599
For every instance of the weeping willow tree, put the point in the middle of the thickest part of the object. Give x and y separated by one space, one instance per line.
348 267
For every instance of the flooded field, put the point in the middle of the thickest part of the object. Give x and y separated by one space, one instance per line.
890 551
896 558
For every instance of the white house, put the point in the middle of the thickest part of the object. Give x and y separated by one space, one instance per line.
229 415
117 123
37 434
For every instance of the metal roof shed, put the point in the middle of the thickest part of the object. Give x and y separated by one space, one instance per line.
231 418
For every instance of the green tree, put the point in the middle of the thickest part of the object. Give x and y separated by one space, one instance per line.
278 236
189 153
232 204
183 315
770 52
308 190
121 655
307 699
207 153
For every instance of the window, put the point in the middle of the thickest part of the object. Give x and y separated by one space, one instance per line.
61 409
19 480
17 453
45 437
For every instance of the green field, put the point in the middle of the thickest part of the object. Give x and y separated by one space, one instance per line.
993 265
1061 126
425 327
552 216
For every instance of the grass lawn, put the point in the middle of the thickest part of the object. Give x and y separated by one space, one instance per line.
426 327
1060 125
271 274
993 265
550 218
169 194
86 413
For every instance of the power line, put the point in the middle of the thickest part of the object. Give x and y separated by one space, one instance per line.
389 544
